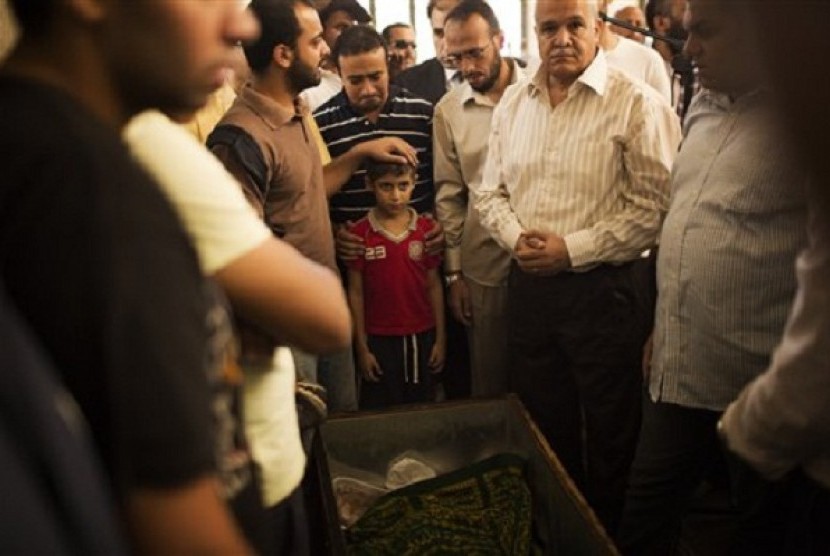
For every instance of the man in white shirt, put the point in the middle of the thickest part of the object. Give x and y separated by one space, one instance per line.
634 59
575 186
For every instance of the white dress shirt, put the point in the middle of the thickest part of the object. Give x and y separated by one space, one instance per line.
594 170
640 62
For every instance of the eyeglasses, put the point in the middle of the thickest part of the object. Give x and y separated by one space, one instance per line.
473 54
400 44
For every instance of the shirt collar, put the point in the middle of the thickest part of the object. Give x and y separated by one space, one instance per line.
273 113
378 227
595 77
468 94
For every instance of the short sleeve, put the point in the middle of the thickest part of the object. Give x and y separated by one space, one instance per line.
209 201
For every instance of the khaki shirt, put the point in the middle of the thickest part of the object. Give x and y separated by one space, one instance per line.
461 127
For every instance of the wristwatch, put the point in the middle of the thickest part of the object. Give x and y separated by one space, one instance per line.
452 278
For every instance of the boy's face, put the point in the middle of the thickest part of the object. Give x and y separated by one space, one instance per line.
392 193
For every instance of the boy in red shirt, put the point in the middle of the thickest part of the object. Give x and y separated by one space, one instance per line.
396 295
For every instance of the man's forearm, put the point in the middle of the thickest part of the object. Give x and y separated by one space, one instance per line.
337 172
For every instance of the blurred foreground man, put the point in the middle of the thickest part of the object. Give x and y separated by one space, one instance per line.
780 424
95 260
575 187
725 277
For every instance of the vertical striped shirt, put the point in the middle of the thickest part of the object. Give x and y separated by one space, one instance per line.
594 170
725 270
404 115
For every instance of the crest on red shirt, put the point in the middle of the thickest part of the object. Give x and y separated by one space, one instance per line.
416 250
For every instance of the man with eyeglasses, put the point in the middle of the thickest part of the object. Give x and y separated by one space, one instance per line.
575 187
476 266
400 42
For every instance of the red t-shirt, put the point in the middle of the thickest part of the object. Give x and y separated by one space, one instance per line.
395 295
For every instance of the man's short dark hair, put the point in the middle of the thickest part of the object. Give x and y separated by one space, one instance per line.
357 12
468 8
357 39
278 24
33 16
387 31
376 170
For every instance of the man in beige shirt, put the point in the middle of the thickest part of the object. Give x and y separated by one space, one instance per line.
476 266
575 187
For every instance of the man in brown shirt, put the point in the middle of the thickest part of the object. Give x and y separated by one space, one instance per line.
267 141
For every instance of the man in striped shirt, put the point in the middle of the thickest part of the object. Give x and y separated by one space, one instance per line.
575 187
725 277
367 109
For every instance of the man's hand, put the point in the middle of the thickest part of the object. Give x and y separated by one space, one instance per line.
369 366
542 253
434 238
348 245
393 150
648 349
460 303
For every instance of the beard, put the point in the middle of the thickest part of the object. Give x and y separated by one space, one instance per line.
492 76
301 76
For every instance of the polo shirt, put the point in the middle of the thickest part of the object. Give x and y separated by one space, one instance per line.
282 174
394 269
404 115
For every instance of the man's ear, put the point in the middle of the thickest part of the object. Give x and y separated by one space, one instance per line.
500 39
283 56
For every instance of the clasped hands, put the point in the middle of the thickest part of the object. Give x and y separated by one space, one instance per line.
542 253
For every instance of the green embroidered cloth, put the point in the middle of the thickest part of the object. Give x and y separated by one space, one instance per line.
481 509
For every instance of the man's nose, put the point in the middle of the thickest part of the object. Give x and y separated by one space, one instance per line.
562 36
466 64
